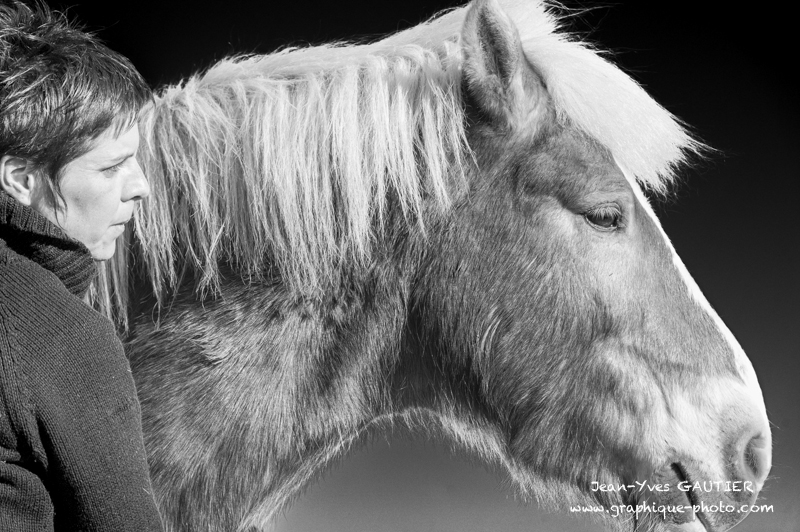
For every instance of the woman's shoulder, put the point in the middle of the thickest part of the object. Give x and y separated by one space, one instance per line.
59 357
45 326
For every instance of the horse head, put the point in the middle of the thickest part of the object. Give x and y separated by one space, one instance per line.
447 229
567 336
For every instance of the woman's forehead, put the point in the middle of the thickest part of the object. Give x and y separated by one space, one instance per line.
113 144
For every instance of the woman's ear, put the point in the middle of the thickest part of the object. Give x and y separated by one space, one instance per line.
18 178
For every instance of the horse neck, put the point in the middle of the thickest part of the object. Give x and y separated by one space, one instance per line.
298 381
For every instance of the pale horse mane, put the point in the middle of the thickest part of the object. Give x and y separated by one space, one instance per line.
284 163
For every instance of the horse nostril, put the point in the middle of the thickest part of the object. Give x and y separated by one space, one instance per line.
758 458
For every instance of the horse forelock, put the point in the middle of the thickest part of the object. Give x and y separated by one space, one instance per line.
285 164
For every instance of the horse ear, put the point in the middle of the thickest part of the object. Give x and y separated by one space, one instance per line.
495 68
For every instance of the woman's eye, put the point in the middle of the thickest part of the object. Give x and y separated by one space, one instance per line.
115 168
605 218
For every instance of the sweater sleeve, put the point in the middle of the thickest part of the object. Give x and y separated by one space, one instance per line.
100 480
24 502
76 422
90 427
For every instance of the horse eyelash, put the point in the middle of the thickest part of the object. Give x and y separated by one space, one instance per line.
608 208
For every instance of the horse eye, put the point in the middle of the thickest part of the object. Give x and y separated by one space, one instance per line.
604 218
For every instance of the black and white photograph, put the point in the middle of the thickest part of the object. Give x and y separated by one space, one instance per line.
416 266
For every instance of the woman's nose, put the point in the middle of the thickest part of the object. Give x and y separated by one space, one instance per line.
137 187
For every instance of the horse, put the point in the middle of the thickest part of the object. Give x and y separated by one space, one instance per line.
446 231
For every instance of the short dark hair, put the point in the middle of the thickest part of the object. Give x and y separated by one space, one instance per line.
60 88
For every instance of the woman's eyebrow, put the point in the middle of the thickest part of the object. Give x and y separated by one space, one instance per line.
118 158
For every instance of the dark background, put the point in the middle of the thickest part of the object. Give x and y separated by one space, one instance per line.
724 70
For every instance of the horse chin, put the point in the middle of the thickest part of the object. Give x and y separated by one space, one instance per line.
685 522
691 526
686 506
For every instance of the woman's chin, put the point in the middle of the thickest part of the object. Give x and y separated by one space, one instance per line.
104 250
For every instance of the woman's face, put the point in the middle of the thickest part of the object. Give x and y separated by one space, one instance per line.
100 189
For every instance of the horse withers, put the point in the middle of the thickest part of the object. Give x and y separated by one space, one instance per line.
445 230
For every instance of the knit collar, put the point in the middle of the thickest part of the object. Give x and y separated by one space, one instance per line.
32 235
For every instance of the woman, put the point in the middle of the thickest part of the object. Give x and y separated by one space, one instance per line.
71 449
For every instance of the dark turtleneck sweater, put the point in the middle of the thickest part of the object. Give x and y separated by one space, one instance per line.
71 450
